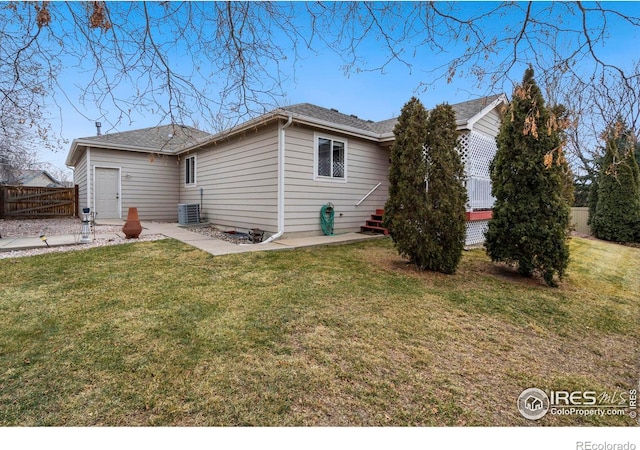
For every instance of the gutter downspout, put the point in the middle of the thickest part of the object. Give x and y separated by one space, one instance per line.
89 180
281 173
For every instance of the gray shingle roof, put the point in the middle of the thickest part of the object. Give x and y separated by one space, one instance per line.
164 138
467 110
330 115
464 111
174 139
385 126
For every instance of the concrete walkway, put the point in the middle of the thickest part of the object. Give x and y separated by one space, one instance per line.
220 247
8 244
202 242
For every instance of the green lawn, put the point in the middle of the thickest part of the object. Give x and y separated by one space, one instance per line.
163 334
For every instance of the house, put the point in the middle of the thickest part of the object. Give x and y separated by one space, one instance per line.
138 168
533 403
36 178
274 172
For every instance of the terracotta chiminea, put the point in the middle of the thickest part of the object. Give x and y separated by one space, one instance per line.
132 227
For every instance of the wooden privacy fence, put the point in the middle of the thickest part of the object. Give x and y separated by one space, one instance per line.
579 218
30 202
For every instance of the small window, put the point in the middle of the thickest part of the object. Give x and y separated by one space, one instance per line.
330 158
190 170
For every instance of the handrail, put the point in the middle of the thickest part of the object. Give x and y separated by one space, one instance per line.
368 193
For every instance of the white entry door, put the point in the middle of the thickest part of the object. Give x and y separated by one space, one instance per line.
107 193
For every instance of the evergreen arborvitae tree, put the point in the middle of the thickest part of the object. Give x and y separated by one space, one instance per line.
558 123
617 212
406 208
582 188
593 189
446 193
530 224
593 195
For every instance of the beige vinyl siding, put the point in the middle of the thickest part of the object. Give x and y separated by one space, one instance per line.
239 179
367 165
489 124
148 182
80 178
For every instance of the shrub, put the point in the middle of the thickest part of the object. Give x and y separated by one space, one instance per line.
617 211
530 224
446 193
406 208
425 210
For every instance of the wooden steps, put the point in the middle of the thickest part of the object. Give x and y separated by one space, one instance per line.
374 225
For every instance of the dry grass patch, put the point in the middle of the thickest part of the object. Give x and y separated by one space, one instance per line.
163 334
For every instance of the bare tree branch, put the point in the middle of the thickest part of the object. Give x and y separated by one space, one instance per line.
216 63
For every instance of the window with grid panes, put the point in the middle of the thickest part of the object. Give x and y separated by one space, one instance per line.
330 158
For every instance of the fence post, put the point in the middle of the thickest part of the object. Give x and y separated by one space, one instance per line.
77 200
2 191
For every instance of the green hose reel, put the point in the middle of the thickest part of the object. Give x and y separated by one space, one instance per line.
327 213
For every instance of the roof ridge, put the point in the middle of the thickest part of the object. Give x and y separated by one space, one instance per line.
330 115
336 110
138 130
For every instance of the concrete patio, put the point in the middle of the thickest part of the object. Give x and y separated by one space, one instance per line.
206 243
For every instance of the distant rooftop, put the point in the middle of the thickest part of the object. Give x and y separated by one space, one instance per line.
26 176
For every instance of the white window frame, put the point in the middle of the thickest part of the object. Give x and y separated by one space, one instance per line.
331 179
194 165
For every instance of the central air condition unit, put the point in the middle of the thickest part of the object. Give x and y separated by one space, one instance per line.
188 213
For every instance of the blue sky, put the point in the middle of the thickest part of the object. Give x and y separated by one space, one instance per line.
320 79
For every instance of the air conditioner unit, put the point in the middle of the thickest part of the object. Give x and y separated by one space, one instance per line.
188 213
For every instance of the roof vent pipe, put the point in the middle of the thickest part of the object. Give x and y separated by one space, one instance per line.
98 125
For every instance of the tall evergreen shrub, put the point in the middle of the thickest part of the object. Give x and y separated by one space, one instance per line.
617 211
425 209
530 224
446 193
406 207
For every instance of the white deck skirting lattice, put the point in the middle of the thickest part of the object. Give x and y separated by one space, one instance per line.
475 232
476 152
